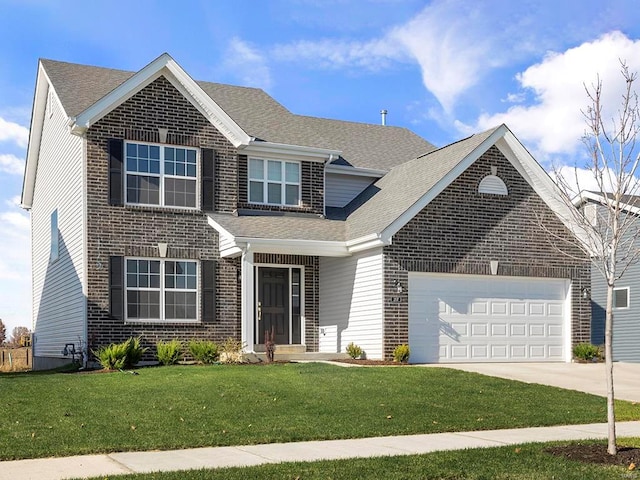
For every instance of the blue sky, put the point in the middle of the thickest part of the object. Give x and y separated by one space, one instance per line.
443 69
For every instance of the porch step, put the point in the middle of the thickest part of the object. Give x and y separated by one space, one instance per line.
280 356
283 349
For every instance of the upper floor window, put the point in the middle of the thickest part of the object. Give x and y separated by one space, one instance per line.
274 182
161 175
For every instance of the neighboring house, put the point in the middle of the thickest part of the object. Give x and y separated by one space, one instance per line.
626 308
165 208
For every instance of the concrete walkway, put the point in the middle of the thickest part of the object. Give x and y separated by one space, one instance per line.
584 377
196 458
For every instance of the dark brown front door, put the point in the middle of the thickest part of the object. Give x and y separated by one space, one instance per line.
273 304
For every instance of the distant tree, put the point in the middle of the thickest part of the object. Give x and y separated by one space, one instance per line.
17 334
3 332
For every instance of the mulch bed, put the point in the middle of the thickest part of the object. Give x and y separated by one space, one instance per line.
369 362
597 453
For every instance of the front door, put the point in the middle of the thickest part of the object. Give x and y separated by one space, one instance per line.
273 304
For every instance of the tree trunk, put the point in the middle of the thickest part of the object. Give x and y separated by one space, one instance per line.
608 356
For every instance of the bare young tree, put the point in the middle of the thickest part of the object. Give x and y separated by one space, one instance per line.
607 221
3 332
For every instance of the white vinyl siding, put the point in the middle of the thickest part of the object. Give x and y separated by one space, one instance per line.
351 303
58 307
342 188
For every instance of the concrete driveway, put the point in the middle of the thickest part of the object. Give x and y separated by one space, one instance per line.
584 377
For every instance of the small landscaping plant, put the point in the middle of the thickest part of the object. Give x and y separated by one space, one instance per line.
135 351
117 356
204 351
587 352
401 354
168 353
112 356
231 351
354 351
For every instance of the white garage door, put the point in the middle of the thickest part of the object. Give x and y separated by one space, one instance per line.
466 318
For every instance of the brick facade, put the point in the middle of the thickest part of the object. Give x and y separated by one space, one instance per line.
137 230
461 230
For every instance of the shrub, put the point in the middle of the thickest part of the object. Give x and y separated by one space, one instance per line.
168 353
113 356
116 356
204 351
401 354
354 351
231 351
135 351
586 351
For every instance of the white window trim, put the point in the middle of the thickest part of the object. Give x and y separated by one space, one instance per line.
54 249
162 290
628 298
265 182
162 176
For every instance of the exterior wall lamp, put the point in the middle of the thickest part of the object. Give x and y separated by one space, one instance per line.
399 287
586 293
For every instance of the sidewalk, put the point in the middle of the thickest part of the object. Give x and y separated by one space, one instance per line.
217 457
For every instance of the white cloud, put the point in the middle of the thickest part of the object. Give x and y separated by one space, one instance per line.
554 124
10 131
247 64
330 54
11 164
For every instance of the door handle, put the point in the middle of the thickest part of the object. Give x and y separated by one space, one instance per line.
259 311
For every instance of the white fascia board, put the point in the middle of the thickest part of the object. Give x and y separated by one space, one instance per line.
296 246
361 172
444 182
284 151
43 84
583 196
218 228
181 80
366 242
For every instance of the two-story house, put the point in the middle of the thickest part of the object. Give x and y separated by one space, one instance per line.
165 207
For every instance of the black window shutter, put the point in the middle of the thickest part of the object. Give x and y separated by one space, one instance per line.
116 287
208 178
208 290
116 176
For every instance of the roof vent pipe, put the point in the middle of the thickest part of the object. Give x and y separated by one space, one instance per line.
383 113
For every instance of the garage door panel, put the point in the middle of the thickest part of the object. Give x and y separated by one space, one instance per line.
455 318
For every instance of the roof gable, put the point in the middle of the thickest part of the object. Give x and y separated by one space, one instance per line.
399 196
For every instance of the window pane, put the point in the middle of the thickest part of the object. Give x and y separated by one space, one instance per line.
154 152
142 189
274 192
143 151
620 298
169 154
256 192
179 192
274 170
132 150
292 172
292 195
256 169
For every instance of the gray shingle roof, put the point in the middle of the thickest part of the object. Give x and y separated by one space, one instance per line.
259 115
281 227
384 201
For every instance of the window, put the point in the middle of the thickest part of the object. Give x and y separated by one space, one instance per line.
161 290
621 297
274 182
55 237
161 175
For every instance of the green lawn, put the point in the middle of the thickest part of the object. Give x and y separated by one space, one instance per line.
524 462
56 414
